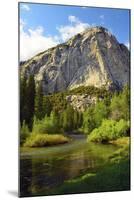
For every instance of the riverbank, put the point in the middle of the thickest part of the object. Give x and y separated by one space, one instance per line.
114 175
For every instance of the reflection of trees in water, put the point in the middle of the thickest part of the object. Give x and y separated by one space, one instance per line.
25 177
77 165
46 174
41 174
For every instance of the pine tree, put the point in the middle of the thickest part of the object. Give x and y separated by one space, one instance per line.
39 113
23 102
30 101
24 132
47 106
68 119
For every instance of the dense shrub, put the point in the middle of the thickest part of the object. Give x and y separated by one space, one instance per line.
109 130
41 140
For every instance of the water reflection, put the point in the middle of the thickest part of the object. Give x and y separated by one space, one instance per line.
47 168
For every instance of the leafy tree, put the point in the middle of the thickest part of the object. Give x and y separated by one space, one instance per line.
88 120
119 107
109 130
100 112
68 119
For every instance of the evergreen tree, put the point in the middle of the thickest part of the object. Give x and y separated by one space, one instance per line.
24 133
80 119
68 119
88 120
23 105
30 101
55 121
39 111
47 106
75 119
120 105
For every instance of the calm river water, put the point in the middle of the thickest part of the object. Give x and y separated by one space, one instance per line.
43 169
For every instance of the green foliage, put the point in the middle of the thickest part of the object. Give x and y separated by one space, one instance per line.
39 111
47 105
88 120
48 125
54 114
70 119
58 101
109 130
30 101
23 92
93 116
55 121
100 112
24 133
41 140
91 90
122 153
120 103
27 99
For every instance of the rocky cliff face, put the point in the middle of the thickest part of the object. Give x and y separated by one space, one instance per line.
93 57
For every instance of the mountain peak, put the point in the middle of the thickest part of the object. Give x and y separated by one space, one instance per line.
92 57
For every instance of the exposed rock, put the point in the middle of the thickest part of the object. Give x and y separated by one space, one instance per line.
81 102
93 57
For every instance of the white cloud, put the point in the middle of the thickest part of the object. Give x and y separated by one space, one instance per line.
33 41
73 18
72 29
25 7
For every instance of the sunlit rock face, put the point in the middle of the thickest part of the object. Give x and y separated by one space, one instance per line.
93 57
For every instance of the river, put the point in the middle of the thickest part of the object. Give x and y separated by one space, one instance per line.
43 169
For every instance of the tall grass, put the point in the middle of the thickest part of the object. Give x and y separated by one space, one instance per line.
41 140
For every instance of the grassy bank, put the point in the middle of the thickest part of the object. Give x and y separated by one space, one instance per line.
113 177
41 140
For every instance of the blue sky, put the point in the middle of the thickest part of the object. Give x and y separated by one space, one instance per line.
43 26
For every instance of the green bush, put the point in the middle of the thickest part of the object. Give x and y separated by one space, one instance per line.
109 130
41 140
